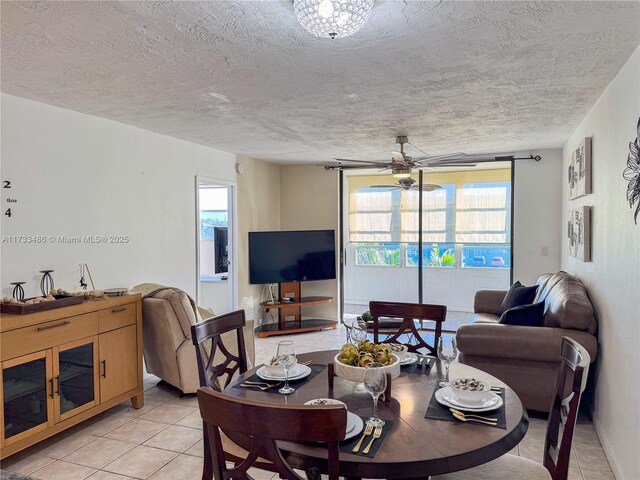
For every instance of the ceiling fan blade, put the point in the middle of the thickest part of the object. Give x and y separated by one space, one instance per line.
428 187
441 157
385 186
339 166
374 162
448 165
466 159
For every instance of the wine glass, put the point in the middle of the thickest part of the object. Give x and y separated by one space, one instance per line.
375 382
286 358
359 330
446 355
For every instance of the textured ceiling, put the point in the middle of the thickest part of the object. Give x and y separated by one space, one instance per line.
246 78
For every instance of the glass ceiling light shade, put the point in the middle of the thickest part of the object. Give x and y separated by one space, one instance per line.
332 18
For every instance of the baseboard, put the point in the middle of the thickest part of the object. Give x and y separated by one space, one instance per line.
606 446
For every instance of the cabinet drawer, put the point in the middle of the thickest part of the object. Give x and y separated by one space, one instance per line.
46 335
117 317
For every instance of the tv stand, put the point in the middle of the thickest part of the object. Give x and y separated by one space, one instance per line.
289 313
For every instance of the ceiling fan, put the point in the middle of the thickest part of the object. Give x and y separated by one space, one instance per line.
408 183
401 164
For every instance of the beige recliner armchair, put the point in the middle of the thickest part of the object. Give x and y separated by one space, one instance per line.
167 316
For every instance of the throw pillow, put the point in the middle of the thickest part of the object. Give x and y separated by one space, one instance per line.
524 315
517 295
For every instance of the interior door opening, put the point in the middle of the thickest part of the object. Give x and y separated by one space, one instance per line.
215 233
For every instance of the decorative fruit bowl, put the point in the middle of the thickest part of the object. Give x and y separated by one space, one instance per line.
350 362
356 374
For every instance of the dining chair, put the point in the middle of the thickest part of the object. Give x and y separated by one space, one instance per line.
571 382
220 356
405 315
266 424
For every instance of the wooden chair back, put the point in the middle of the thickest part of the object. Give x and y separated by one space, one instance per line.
572 380
407 313
211 374
266 424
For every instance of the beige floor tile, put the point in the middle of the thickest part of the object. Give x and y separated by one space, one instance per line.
183 466
193 420
25 465
100 452
596 475
175 438
160 394
585 435
592 457
537 428
185 401
141 462
167 413
136 431
104 423
126 409
63 444
532 448
197 449
574 474
261 474
102 475
60 470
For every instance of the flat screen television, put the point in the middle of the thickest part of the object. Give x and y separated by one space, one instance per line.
293 256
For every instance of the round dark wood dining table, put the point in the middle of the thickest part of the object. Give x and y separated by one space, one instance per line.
415 446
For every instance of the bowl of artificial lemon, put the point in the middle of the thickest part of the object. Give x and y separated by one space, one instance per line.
351 361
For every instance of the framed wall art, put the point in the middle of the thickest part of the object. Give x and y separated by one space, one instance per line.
579 233
579 176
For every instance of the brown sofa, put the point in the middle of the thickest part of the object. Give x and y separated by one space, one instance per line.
167 316
527 358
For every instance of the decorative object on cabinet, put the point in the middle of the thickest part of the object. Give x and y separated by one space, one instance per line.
63 366
46 283
38 304
579 233
18 291
580 170
632 174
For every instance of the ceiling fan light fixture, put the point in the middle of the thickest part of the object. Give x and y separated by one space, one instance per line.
401 172
332 18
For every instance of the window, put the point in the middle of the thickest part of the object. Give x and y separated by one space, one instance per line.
378 254
433 255
486 256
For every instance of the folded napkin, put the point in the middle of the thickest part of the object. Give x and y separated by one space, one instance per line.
440 412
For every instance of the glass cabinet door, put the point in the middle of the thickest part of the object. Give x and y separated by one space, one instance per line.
27 395
75 377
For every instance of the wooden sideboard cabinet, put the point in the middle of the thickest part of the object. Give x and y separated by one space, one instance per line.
62 366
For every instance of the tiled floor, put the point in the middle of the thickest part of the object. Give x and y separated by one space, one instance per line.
164 439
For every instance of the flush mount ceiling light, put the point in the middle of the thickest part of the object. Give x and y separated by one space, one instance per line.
332 18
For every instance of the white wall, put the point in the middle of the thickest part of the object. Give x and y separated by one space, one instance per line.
537 214
75 174
258 210
310 201
612 278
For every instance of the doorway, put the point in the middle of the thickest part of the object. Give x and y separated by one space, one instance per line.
216 276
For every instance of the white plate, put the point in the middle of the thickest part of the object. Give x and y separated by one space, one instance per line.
295 374
409 359
354 422
445 397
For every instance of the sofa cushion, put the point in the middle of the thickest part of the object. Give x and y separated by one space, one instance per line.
525 315
517 295
566 302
